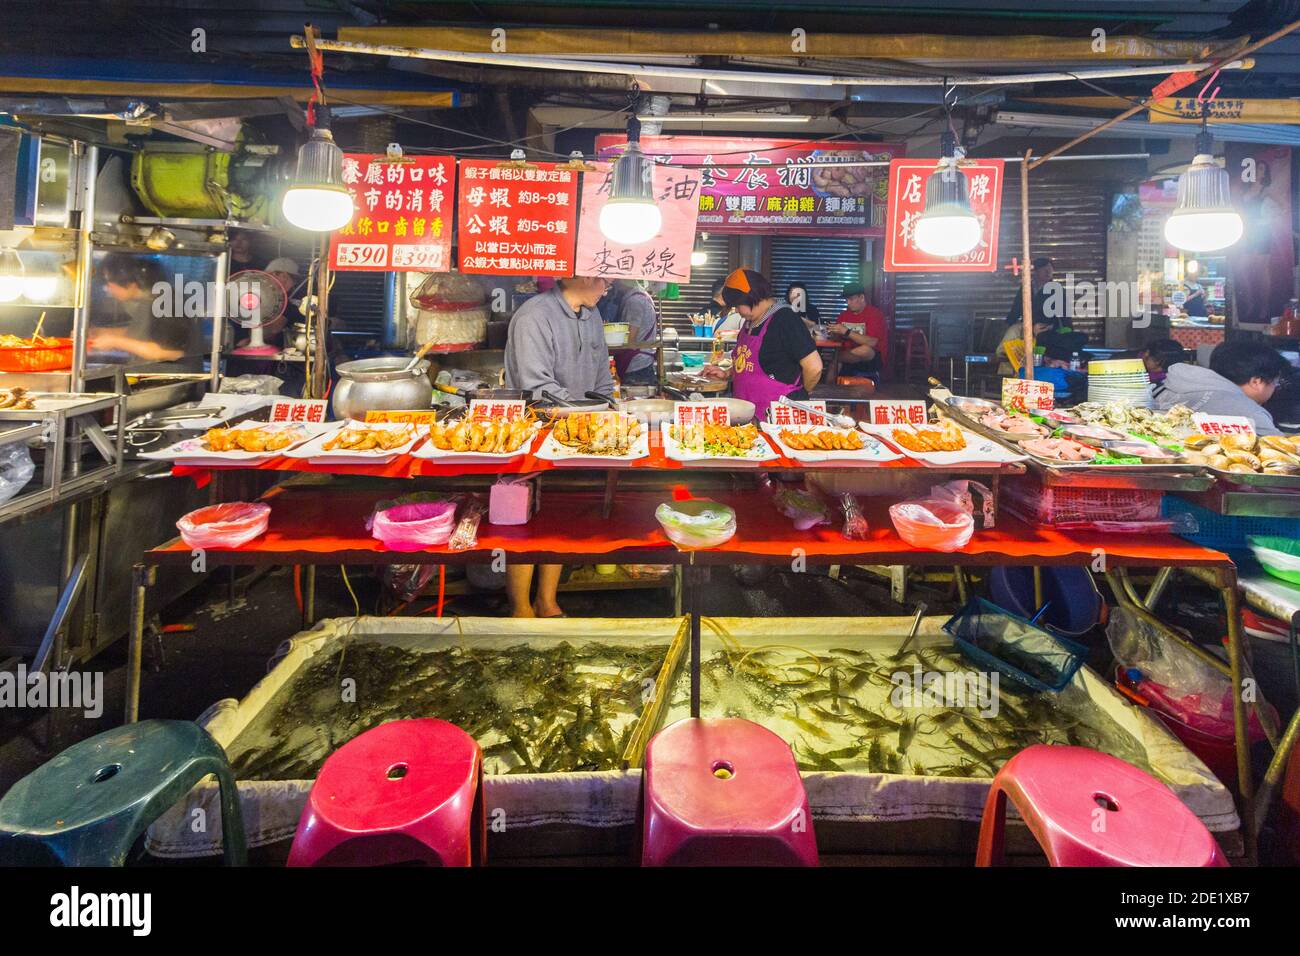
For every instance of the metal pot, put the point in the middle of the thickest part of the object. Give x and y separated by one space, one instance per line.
381 384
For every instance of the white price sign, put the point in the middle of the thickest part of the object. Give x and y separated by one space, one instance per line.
700 413
508 409
1223 424
419 257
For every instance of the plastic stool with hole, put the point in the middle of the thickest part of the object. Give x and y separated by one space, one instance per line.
723 792
408 791
89 805
1087 808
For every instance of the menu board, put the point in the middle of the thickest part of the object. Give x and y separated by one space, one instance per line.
402 221
907 179
666 257
772 185
516 219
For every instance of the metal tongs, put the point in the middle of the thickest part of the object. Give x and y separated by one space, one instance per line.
839 421
911 635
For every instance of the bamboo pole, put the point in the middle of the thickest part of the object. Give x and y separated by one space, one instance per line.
1026 287
1200 75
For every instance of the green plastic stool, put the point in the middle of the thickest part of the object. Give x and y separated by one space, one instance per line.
89 805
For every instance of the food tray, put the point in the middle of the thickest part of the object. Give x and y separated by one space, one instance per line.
429 451
552 450
190 451
314 449
874 449
979 450
1256 480
37 358
760 451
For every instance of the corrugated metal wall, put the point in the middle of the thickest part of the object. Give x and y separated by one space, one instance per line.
357 303
825 266
1067 221
695 296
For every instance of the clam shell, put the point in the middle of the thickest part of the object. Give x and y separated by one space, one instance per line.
1245 458
1237 442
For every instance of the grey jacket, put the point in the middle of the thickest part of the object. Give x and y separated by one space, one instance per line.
1205 390
551 348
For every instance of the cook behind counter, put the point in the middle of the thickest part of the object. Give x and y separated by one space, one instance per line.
553 348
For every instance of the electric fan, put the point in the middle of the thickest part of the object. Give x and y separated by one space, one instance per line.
255 299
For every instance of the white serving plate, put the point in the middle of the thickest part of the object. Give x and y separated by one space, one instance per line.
552 450
314 449
760 451
874 449
432 452
978 451
190 451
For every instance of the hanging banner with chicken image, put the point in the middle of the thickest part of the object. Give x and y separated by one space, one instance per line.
907 179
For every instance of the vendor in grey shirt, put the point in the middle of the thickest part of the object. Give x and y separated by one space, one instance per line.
557 342
636 307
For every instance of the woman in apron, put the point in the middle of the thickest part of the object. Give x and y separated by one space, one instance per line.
775 355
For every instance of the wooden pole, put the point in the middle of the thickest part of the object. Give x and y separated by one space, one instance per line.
1026 286
1240 54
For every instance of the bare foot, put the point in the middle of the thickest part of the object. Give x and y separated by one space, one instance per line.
525 610
547 610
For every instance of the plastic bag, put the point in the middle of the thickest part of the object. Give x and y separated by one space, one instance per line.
251 385
16 469
805 508
226 525
959 493
466 534
697 523
933 524
406 581
416 526
855 522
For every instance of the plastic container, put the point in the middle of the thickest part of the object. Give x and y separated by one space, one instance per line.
1227 532
616 333
1072 602
933 524
1278 556
37 358
697 523
994 639
226 525
414 527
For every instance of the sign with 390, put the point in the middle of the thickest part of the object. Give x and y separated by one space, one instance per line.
403 214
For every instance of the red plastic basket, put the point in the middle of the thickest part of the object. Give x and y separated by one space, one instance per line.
37 358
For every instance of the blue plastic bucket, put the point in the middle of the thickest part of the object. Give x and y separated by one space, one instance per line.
1074 603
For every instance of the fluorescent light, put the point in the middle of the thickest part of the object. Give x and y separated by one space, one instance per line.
727 118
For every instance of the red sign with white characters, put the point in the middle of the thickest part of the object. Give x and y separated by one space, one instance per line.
907 179
402 221
516 219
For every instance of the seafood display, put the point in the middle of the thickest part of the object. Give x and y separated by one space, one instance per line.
16 399
822 439
1059 449
257 439
1094 435
1013 425
37 341
367 438
598 433
484 436
707 438
1245 453
1172 424
848 710
946 437
533 709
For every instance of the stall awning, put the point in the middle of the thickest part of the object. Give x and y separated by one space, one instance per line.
134 78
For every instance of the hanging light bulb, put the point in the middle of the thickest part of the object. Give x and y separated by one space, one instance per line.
12 275
1205 219
698 256
947 227
630 216
317 200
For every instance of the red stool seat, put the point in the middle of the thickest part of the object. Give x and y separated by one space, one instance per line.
723 792
409 791
1087 808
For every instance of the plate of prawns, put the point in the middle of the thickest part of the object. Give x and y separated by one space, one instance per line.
818 443
497 439
247 443
360 442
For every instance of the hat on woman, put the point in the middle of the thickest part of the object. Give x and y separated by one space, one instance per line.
746 287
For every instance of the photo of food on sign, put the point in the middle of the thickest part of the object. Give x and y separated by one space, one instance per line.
403 214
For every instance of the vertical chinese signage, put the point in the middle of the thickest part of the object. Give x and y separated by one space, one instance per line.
516 219
403 214
666 257
907 179
787 186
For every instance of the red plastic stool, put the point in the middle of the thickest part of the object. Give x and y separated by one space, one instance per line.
409 791
1087 808
911 345
723 792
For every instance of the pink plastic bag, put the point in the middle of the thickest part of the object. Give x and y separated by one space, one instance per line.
936 525
414 527
224 526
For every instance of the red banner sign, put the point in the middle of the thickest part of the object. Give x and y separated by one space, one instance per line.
403 214
907 179
772 185
516 219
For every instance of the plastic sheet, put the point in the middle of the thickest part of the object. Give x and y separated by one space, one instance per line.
697 523
805 508
16 469
226 525
933 524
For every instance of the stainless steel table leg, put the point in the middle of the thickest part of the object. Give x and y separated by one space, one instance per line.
308 595
1227 581
142 577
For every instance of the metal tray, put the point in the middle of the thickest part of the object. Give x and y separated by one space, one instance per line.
1256 480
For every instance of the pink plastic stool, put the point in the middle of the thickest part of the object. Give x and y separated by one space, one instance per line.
723 792
1091 809
409 791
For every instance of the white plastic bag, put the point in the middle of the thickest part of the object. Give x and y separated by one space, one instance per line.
16 469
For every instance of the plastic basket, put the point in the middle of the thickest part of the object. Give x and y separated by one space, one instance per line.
996 640
37 358
1228 532
1064 505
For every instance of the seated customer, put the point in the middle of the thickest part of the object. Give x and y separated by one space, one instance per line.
1159 355
1242 377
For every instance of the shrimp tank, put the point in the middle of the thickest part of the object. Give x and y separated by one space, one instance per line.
563 709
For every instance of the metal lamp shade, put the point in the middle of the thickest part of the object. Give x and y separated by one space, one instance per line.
947 227
630 215
1204 220
318 201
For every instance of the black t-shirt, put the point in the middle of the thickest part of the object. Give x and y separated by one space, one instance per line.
786 343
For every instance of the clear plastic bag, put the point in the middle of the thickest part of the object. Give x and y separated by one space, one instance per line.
16 469
466 534
805 508
933 524
406 581
226 525
416 526
855 522
697 523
